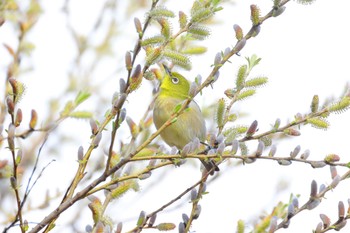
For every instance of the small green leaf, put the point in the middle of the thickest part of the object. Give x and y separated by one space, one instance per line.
253 61
81 97
177 108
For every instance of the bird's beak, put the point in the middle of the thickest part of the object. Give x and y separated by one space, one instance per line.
167 70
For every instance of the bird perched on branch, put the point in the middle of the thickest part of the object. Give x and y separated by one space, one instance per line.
189 125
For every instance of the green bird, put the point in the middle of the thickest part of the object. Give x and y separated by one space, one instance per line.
174 89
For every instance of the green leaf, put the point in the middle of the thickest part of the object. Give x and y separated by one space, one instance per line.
81 97
177 108
253 61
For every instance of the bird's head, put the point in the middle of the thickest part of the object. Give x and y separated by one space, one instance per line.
174 84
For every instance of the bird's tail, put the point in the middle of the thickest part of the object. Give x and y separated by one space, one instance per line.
210 166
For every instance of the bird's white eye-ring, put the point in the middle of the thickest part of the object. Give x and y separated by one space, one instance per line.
174 80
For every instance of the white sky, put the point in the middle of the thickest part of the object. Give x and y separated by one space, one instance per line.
304 52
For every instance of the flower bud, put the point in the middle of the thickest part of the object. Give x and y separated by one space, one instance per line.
238 31
33 119
152 220
93 126
97 140
217 59
80 153
295 152
326 220
305 155
197 211
135 79
128 62
10 105
260 149
19 117
138 26
341 210
252 129
273 150
234 147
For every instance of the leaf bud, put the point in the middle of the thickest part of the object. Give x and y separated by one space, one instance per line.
277 123
273 150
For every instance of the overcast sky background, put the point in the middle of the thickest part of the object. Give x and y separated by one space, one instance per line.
304 52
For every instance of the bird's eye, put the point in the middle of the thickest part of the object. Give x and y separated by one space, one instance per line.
175 80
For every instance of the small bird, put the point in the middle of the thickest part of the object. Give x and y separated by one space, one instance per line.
189 125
